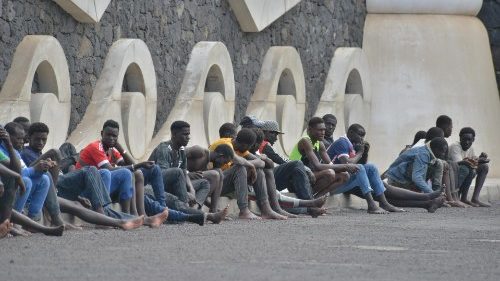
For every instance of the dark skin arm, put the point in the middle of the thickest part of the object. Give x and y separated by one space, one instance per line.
128 161
252 173
6 172
360 153
255 161
307 148
14 163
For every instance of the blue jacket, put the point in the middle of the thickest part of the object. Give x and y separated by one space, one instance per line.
411 167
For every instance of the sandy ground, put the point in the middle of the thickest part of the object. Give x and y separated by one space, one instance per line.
452 244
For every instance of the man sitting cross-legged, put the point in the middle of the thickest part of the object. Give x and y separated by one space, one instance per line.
249 171
342 151
334 178
470 166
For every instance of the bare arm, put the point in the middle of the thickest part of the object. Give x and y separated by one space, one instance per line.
307 149
14 163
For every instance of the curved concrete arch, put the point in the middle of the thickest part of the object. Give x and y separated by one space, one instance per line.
125 92
280 94
206 97
448 7
347 92
44 57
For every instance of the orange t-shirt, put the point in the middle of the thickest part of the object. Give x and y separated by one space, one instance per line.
228 141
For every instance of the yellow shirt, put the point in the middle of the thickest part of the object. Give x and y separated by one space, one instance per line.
228 141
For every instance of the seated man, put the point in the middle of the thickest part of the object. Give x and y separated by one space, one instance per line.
330 126
171 157
470 165
342 150
37 136
245 170
332 178
36 178
291 175
412 168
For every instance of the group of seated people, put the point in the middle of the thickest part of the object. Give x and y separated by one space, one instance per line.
177 181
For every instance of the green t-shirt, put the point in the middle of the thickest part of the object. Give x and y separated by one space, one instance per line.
3 157
295 155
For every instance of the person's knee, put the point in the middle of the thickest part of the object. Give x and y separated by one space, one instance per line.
138 176
483 168
370 168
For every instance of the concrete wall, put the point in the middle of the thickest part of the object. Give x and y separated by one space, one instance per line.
170 29
490 16
425 65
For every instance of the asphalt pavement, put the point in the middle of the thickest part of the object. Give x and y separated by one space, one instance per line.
451 244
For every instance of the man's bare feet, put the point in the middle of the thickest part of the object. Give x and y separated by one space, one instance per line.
435 204
18 231
133 223
480 204
156 220
54 231
470 203
376 210
219 216
390 208
247 215
458 204
5 228
268 213
69 226
316 212
286 214
435 194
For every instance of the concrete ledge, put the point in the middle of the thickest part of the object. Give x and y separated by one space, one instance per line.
449 7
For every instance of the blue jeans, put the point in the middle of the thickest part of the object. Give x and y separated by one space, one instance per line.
292 175
154 177
119 180
367 179
85 182
36 196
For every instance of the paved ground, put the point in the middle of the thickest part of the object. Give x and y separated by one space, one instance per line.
452 244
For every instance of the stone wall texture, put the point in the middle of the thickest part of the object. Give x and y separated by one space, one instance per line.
171 28
490 15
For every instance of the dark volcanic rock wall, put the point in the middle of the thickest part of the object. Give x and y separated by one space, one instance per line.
171 29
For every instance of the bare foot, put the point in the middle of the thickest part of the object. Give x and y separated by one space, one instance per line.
247 215
390 208
434 194
470 203
481 204
436 204
133 223
286 214
270 214
55 231
376 210
156 220
18 231
457 204
219 216
316 212
69 226
5 228
319 202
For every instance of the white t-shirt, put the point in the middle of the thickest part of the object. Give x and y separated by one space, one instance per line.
456 153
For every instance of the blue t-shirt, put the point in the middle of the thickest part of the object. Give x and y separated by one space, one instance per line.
341 148
29 155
